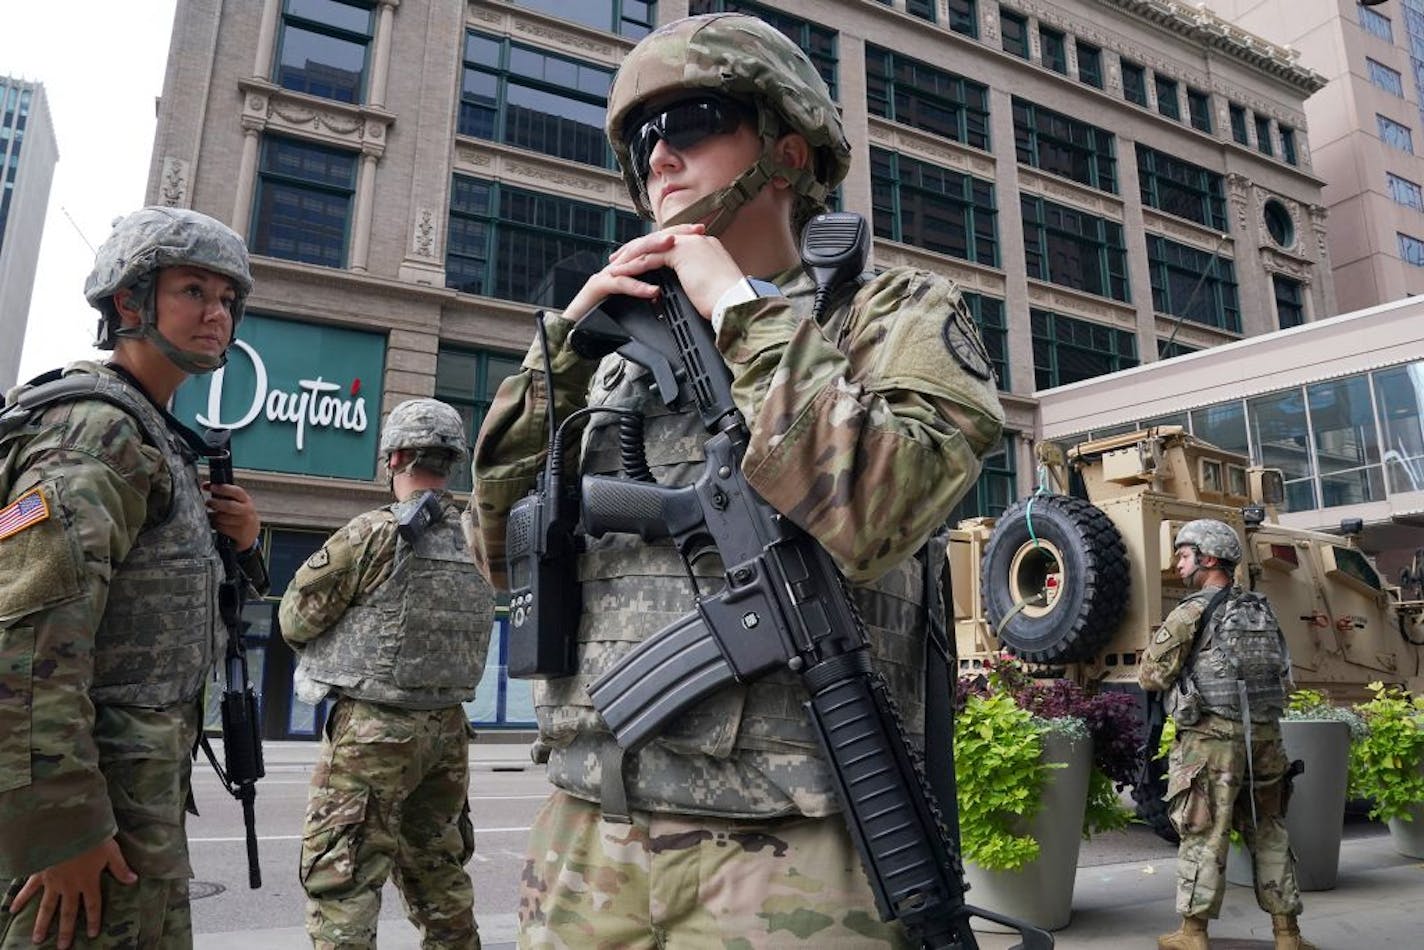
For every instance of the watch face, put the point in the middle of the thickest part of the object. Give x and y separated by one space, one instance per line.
962 340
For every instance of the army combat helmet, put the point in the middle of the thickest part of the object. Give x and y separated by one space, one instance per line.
146 241
432 429
1213 538
751 62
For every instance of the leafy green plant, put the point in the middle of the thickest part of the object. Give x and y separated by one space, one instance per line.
1385 762
1314 704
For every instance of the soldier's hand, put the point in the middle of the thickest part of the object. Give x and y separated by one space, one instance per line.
67 886
231 511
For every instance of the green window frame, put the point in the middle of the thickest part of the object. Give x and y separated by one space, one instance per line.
1288 152
1167 92
988 314
1167 350
534 99
1193 284
1065 146
924 9
527 246
1069 349
1199 109
1238 124
324 48
1090 63
996 488
913 93
935 208
1180 188
1134 83
964 17
816 41
634 19
1053 47
303 203
467 378
1263 136
1074 249
1013 30
1290 301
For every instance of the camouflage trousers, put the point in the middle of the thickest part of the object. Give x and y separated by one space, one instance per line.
389 799
1207 797
151 914
682 882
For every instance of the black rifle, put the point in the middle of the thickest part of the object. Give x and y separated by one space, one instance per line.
241 726
785 605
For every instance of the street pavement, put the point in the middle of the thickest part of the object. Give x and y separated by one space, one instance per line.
1123 895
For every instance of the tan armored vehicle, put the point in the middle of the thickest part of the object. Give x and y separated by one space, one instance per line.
1079 584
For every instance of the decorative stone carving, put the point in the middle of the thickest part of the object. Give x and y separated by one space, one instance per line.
565 39
426 231
173 182
1238 189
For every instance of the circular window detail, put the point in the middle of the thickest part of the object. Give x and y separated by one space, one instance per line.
1279 224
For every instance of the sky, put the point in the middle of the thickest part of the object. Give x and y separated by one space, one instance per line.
102 65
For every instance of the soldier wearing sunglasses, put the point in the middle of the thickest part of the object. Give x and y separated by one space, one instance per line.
867 422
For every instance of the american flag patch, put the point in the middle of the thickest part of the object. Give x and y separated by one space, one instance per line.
27 510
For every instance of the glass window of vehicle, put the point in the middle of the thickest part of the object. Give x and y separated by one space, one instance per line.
1199 109
529 98
1177 187
1014 28
1342 421
1375 23
935 208
1399 392
1290 301
1280 438
1074 249
913 93
1411 249
322 47
816 41
467 380
1067 349
995 490
303 203
631 18
528 246
1167 101
1395 135
1238 123
1263 135
1064 146
1193 284
1053 47
1134 83
964 17
1385 78
1090 63
988 314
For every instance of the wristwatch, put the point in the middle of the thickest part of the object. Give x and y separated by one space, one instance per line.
748 288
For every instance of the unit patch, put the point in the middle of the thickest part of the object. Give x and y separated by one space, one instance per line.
24 512
962 340
319 560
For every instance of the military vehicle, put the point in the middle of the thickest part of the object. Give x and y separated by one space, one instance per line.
1075 583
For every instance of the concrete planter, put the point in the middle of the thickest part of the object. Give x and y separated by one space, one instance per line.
1316 815
1408 836
1041 892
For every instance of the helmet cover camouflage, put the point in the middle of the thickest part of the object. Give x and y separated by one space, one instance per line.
424 424
1210 537
742 57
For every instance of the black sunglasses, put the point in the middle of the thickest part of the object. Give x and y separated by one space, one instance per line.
682 125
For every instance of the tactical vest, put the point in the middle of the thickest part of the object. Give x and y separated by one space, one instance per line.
419 639
160 632
1243 645
632 589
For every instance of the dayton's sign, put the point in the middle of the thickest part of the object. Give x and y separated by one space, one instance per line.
299 398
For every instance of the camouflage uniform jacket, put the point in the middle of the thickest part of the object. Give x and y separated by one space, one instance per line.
378 619
108 629
866 429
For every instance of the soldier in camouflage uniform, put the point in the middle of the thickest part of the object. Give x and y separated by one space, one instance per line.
1214 771
867 423
108 597
394 620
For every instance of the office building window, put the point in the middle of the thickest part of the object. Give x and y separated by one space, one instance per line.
1411 249
631 18
988 314
467 380
914 93
1199 109
1387 79
816 41
1134 83
1346 444
527 246
996 488
1166 349
1238 124
1372 21
935 208
1193 284
531 99
1065 146
303 202
964 17
1167 103
924 9
1014 27
1074 249
1290 301
1399 392
1090 63
322 47
1288 154
1068 350
1395 135
1404 191
1263 135
1054 49
1181 188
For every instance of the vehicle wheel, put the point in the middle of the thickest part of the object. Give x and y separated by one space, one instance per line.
1063 587
1151 810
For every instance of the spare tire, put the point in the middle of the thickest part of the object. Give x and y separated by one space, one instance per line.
1062 585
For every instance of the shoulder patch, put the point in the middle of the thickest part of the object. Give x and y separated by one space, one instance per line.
961 338
28 510
1163 635
319 559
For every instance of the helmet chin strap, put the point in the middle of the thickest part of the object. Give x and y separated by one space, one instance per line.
189 361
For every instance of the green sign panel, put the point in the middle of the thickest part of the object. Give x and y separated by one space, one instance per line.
299 397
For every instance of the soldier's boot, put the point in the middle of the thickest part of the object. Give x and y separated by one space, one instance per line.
1287 933
1190 936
